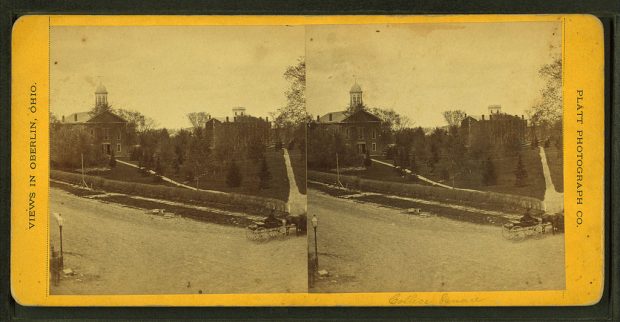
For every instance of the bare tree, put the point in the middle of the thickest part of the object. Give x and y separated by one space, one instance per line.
198 119
454 117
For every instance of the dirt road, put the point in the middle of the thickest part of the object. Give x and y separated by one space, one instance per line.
119 250
368 248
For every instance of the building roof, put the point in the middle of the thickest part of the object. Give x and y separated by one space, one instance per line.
106 117
80 117
336 117
359 116
355 88
87 117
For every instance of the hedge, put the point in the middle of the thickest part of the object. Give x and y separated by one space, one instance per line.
172 193
498 200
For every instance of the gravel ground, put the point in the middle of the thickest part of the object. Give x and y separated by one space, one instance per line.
119 250
369 248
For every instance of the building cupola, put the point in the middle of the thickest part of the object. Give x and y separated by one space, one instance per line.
101 96
356 96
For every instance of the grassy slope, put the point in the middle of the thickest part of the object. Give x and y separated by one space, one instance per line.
278 186
504 168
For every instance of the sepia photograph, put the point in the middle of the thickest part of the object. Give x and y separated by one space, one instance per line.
178 160
435 157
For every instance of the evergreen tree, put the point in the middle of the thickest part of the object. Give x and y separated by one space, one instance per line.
264 175
112 163
233 175
520 173
489 177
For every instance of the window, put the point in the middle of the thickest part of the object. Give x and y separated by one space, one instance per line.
118 147
106 134
360 133
119 135
374 147
374 134
92 132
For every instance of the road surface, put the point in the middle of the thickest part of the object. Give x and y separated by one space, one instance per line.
119 250
368 248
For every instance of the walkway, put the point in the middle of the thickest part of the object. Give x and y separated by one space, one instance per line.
168 179
554 201
297 203
427 180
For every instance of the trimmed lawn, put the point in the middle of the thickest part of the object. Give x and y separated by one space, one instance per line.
278 185
504 168
124 172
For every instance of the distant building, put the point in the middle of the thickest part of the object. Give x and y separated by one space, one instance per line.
238 130
107 130
358 127
499 128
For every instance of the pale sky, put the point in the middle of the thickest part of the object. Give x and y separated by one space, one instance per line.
167 72
420 70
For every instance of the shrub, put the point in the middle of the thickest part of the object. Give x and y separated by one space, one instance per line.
112 162
233 176
264 175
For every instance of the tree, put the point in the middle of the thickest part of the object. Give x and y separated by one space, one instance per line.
233 175
293 114
264 175
367 160
454 117
198 119
489 177
256 148
137 120
112 162
520 173
546 114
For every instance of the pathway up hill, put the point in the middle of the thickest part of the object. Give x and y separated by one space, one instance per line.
504 166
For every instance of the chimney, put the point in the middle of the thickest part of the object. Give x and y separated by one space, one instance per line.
227 119
330 117
75 117
266 118
483 117
318 118
63 119
522 117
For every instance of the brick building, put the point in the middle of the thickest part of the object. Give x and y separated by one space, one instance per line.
107 130
499 128
358 127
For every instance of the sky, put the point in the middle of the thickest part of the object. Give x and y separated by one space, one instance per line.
420 70
167 72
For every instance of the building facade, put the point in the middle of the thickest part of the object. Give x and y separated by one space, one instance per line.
497 128
239 131
107 130
358 128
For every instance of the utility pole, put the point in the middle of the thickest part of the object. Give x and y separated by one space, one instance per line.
338 170
83 181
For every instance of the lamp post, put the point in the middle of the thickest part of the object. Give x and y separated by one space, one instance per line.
315 223
60 222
